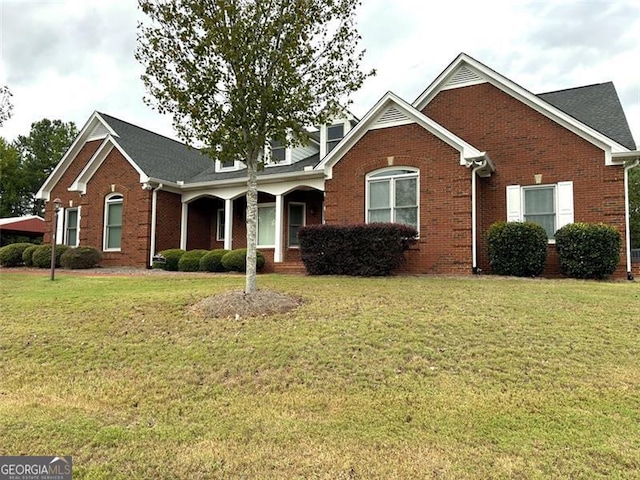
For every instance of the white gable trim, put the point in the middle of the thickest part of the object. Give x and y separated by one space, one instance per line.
403 114
463 61
98 158
95 123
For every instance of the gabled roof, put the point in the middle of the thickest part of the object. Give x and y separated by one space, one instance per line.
28 223
391 111
465 70
597 106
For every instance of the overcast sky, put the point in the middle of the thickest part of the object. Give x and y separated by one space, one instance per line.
63 59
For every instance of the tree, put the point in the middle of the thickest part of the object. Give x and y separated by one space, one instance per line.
634 206
12 186
6 106
235 74
39 153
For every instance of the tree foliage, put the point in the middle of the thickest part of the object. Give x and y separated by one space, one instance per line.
12 186
634 206
237 73
6 107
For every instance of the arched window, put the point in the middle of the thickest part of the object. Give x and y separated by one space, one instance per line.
113 222
392 196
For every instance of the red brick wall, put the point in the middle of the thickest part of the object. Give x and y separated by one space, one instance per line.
168 217
444 188
522 143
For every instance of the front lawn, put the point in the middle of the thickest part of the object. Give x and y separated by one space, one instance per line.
405 377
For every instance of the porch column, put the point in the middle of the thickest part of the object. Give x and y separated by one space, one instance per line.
228 223
183 226
277 253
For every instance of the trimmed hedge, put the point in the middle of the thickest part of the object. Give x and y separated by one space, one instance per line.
517 248
236 260
80 258
190 260
172 257
373 249
42 255
588 250
212 261
11 255
27 255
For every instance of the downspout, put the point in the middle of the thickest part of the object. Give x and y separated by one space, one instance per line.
474 206
154 215
631 165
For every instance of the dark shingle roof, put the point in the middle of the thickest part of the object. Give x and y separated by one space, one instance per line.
158 157
597 106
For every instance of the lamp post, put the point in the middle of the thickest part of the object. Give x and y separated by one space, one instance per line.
57 203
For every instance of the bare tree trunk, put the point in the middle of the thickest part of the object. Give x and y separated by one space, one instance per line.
252 225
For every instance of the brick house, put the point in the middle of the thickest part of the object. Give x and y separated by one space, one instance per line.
474 148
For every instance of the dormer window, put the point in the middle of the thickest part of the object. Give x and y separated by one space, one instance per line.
278 151
227 164
334 135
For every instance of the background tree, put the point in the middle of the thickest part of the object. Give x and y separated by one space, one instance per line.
634 206
12 184
40 151
235 74
5 104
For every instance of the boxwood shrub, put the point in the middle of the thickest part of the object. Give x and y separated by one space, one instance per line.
27 255
42 255
517 248
360 250
172 257
80 258
11 255
236 260
588 250
212 260
190 260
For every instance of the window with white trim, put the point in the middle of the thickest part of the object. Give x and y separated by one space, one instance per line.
267 225
72 227
278 151
392 196
334 135
550 206
296 220
220 225
113 222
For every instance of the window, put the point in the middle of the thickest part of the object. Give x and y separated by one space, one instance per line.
296 220
278 151
113 222
227 163
220 225
550 206
72 227
267 225
392 196
334 135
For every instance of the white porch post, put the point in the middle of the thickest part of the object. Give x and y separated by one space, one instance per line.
228 223
277 254
183 226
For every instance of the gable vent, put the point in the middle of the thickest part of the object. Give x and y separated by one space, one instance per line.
464 76
392 115
99 131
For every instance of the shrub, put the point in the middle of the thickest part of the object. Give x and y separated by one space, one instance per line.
11 255
517 248
80 257
588 250
212 261
172 257
27 255
359 250
236 260
190 261
42 255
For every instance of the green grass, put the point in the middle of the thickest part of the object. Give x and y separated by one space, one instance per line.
407 377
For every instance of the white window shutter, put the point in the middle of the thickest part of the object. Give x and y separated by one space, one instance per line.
60 227
514 203
565 203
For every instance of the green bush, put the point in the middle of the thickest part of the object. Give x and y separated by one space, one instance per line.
42 255
171 259
11 255
190 261
588 250
236 260
27 255
212 261
517 248
80 257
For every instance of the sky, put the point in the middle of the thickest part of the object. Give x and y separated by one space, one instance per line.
64 59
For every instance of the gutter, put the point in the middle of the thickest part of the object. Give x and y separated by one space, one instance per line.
154 216
482 166
627 220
